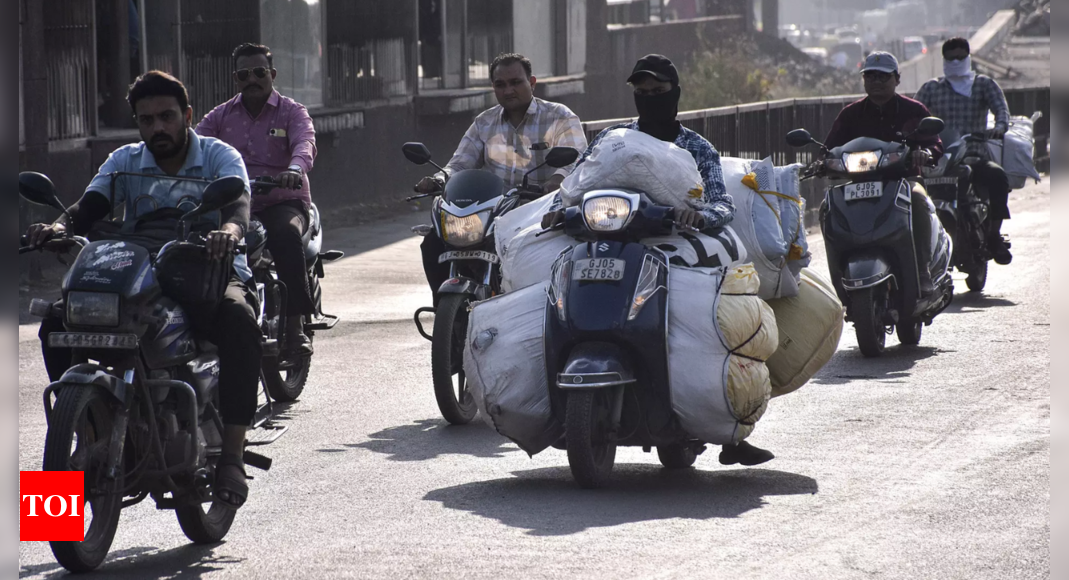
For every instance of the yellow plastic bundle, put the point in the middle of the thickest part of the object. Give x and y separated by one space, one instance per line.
750 332
810 326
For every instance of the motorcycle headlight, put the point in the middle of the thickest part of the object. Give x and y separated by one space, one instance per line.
607 213
861 162
92 309
890 159
463 231
648 284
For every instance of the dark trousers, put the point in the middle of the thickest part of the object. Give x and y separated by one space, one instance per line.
231 326
992 184
286 223
923 228
432 248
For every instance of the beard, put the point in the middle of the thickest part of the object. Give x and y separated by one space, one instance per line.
165 146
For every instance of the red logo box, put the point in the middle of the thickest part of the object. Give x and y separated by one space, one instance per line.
51 506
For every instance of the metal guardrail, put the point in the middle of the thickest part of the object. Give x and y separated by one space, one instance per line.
759 130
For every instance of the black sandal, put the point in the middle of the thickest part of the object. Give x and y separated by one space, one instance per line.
229 490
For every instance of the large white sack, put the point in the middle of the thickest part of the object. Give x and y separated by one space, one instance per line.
625 158
810 326
1015 152
718 397
505 364
508 226
529 257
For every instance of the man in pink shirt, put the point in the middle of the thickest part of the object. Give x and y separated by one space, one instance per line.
275 137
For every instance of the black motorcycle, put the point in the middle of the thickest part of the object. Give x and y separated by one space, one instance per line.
138 411
285 373
463 217
868 236
963 213
606 337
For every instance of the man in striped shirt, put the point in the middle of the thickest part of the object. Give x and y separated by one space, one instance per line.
508 140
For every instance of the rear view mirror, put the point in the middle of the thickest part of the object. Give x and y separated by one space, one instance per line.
219 194
38 188
929 127
799 138
417 153
561 157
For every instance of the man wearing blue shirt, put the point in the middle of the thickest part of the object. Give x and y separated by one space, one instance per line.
169 150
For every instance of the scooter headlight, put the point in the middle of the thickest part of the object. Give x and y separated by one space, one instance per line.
648 285
863 162
92 309
607 213
466 231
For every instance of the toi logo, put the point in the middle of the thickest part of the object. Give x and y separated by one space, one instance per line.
51 506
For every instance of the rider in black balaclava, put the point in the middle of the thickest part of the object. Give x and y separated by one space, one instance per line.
656 84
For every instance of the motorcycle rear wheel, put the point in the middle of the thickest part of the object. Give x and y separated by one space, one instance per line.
79 431
977 278
868 321
205 527
286 385
455 401
676 456
909 332
591 453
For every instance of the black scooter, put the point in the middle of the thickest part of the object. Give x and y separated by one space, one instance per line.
606 337
463 217
868 236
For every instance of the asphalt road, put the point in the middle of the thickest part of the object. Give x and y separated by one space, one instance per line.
931 462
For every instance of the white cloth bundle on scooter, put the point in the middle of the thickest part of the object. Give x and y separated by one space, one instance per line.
631 159
810 326
719 333
1015 152
770 223
508 226
505 364
528 258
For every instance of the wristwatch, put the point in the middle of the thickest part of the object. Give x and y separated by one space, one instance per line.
296 169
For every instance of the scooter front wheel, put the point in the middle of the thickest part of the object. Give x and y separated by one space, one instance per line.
587 424
977 278
455 401
868 306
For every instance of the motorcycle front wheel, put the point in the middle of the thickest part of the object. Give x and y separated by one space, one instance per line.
455 401
79 434
205 526
868 308
587 428
286 385
977 278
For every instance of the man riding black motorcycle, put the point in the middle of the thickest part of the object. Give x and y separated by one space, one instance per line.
962 99
888 116
508 140
170 148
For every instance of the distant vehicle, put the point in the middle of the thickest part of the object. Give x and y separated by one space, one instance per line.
847 55
817 53
913 46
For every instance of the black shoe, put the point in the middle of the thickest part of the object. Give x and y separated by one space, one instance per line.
745 454
1000 250
300 345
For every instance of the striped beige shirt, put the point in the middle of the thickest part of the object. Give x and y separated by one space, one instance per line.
494 144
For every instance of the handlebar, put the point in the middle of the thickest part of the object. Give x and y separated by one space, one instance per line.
266 184
56 244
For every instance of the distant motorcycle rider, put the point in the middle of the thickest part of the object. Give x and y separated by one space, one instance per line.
962 99
508 140
888 116
169 147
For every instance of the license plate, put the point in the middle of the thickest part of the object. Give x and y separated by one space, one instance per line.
867 190
599 270
470 255
90 340
941 181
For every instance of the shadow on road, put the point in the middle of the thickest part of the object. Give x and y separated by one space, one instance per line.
431 438
976 302
894 365
547 502
185 563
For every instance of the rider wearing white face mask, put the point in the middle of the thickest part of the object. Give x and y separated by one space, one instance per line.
962 99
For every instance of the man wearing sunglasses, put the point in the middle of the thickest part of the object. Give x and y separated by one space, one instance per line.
962 99
275 137
888 116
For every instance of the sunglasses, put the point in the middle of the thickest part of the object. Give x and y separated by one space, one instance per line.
243 74
875 75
